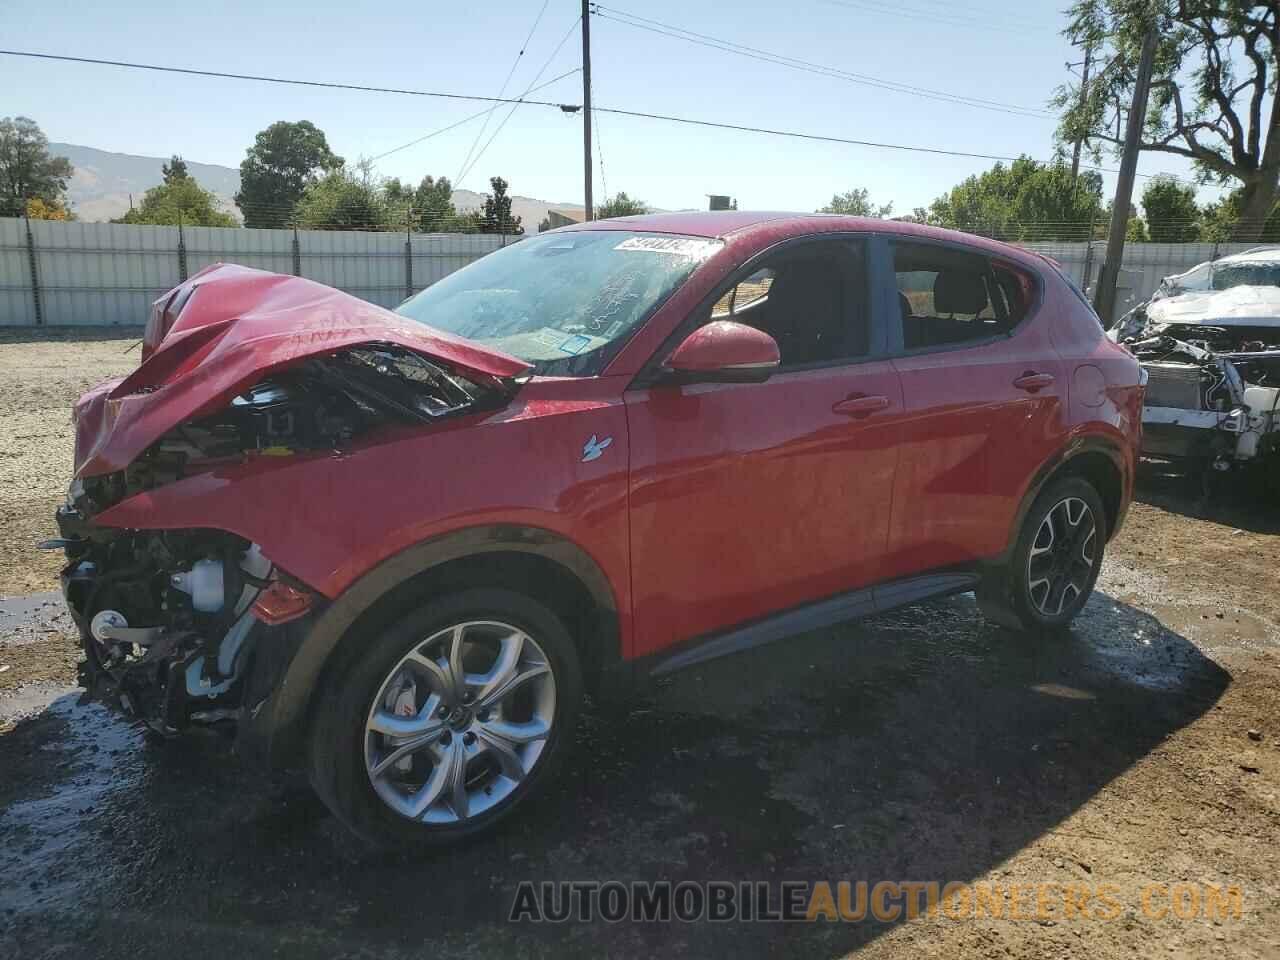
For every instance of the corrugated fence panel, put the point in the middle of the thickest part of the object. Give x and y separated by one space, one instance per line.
103 274
106 273
1145 264
435 255
17 307
364 264
264 249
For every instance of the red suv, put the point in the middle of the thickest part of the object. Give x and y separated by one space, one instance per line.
397 547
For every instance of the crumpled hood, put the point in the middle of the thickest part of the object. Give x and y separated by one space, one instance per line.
236 326
1237 306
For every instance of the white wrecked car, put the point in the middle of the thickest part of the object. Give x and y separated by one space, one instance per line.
1209 340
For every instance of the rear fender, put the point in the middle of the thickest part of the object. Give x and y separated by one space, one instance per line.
1063 463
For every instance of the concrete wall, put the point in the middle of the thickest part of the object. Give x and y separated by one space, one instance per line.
104 274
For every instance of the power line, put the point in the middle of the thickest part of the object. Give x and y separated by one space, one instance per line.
563 40
824 138
474 116
567 108
807 66
514 63
331 85
595 122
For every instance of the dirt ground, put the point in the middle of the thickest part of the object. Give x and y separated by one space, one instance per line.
41 378
923 745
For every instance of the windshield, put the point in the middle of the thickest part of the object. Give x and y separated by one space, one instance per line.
564 302
1226 276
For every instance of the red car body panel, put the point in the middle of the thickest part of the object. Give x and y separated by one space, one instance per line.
971 442
328 519
716 504
741 496
239 326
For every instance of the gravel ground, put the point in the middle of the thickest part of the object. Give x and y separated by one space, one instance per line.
42 377
922 745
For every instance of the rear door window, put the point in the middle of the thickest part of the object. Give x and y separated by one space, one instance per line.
948 296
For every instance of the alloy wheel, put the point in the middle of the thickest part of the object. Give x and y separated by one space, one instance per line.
460 722
1062 557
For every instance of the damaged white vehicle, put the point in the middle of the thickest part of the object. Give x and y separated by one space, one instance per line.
1209 340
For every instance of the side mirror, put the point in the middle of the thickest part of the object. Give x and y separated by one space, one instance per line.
724 352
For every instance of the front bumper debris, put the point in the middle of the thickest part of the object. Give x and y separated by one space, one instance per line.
168 622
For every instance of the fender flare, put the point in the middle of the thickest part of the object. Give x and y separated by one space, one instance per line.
1054 465
277 725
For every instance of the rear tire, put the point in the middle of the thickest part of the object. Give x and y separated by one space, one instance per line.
1054 564
412 747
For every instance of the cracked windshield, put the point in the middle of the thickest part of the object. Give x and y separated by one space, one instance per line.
565 302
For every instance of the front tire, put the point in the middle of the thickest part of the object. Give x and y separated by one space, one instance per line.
1055 562
447 721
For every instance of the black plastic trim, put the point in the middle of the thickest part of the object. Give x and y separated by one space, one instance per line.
838 609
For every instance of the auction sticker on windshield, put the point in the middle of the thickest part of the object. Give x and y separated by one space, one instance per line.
680 246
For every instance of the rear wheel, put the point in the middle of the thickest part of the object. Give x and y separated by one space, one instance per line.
448 720
1055 562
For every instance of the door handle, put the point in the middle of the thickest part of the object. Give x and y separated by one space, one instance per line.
1032 381
861 406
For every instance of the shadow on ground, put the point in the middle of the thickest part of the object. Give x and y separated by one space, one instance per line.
920 745
1243 499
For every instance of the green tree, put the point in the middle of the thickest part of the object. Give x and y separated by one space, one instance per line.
284 160
175 169
181 200
620 205
1219 220
496 215
1171 212
857 203
1212 93
27 171
346 199
1025 200
433 204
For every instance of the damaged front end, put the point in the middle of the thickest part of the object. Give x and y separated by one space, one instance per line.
166 617
1209 342
1220 408
188 625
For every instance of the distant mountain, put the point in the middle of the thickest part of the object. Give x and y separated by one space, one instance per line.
102 183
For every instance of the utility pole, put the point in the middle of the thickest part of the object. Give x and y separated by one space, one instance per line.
1105 299
589 206
1084 92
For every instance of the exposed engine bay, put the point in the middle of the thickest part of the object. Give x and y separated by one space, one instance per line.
168 617
1209 341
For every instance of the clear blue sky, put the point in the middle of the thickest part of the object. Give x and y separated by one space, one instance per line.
1016 55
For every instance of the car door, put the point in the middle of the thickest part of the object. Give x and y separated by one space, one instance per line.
983 390
751 498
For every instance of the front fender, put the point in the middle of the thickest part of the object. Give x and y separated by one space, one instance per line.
273 726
